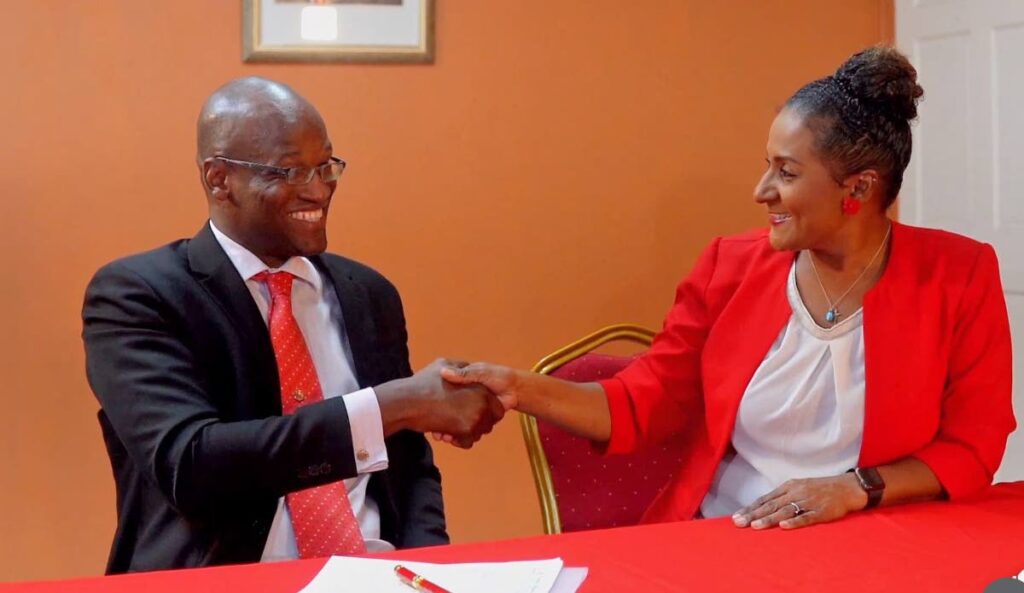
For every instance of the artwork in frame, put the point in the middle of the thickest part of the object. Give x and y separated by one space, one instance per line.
382 31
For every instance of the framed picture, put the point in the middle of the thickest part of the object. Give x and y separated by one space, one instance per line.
338 31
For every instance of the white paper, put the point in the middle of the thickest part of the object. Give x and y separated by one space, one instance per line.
343 574
569 580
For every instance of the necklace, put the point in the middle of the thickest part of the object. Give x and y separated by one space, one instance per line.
832 315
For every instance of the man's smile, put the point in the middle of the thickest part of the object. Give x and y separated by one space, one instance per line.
308 215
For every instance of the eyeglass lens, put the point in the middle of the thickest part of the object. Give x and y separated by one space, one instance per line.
328 172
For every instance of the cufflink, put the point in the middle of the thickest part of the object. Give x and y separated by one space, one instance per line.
362 455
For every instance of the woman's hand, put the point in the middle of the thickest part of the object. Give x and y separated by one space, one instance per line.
799 503
500 380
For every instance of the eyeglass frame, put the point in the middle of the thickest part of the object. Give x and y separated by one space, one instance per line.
286 171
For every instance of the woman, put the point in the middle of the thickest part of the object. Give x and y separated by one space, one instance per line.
837 340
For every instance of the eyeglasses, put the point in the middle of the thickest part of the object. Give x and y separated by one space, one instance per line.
329 171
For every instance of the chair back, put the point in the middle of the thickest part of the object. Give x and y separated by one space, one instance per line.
579 488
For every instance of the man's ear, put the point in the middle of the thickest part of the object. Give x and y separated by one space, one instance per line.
215 178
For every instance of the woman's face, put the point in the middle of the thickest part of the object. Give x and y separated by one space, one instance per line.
802 198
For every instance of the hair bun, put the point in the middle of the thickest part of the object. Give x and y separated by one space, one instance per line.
884 79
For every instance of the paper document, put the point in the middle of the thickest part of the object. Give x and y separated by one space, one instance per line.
343 574
569 580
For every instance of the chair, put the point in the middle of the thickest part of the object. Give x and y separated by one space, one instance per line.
578 487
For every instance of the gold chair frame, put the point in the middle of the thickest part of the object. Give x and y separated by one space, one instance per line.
545 366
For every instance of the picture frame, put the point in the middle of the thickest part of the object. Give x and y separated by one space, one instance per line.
365 31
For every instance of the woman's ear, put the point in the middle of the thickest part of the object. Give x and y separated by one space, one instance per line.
863 185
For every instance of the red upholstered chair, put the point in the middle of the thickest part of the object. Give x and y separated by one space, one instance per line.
578 488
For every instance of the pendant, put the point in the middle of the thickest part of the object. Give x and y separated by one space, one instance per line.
831 315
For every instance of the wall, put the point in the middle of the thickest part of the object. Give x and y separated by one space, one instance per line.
555 171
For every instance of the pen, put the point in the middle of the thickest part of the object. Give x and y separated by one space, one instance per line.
416 581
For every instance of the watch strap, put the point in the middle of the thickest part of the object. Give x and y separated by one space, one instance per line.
872 483
874 497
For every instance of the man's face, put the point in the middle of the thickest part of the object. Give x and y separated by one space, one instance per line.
269 217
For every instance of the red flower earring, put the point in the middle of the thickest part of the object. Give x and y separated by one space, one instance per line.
850 205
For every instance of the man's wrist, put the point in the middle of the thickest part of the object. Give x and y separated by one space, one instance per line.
398 405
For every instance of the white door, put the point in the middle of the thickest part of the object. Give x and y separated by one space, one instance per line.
967 170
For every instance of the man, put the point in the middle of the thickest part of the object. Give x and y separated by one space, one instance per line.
216 359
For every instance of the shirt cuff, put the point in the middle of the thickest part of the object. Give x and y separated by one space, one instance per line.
367 431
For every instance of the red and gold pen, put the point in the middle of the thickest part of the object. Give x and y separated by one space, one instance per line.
417 582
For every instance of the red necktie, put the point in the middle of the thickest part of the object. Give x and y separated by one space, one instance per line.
322 516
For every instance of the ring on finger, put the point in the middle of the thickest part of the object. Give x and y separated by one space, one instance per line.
797 509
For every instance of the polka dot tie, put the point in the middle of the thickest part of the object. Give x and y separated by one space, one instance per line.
322 516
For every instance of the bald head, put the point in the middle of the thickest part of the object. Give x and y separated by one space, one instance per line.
247 117
251 133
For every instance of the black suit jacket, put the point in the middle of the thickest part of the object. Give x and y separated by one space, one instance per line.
181 362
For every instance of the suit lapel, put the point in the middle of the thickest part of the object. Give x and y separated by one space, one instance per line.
218 276
361 331
357 315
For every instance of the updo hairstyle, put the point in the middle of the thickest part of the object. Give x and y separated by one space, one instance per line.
861 115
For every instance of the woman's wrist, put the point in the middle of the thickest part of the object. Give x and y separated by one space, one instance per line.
856 498
520 391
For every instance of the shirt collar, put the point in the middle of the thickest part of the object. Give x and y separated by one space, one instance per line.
248 265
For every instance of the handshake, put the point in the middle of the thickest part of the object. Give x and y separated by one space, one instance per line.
456 401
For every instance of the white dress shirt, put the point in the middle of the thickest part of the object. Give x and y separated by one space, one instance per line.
802 415
318 313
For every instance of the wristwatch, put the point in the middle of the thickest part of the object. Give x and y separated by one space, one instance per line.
872 483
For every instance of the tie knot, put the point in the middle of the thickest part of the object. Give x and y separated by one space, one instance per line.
279 283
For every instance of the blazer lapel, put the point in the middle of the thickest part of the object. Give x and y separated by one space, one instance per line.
217 275
742 336
357 315
893 318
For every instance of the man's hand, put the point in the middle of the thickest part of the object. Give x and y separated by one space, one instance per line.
427 403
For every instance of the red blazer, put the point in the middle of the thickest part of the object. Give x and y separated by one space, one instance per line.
937 362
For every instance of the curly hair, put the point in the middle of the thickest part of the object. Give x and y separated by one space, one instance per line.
861 115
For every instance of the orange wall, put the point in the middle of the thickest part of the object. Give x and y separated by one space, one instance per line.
556 170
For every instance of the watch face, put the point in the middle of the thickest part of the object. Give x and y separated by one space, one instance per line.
869 478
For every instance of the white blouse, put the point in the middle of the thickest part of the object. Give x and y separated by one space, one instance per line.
802 415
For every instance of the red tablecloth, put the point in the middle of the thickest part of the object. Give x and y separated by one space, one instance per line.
959 547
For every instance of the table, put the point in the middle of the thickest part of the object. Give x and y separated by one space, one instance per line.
941 546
